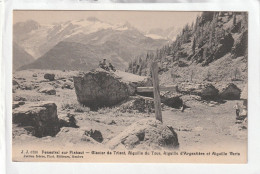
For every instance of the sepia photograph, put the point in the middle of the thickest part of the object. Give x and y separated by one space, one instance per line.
130 86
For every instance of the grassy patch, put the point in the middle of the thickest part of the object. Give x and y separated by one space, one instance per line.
76 106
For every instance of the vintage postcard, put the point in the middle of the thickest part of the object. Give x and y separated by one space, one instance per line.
130 86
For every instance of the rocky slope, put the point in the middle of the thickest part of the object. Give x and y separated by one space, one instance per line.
214 48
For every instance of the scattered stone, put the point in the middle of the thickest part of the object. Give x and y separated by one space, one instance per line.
26 86
15 83
67 86
50 77
172 101
100 88
230 92
48 90
55 84
112 122
182 64
17 104
139 103
70 79
69 121
96 135
41 116
19 98
19 131
146 134
211 105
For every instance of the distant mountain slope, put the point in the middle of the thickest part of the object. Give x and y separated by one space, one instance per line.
83 52
65 55
20 57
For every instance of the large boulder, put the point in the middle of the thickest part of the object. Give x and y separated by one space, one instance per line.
148 134
209 92
41 117
230 92
99 88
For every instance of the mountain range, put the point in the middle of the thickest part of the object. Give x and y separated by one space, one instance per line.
81 44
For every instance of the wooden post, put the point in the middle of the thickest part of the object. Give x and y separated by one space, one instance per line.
156 92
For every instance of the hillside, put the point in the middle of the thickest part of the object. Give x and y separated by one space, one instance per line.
20 57
214 48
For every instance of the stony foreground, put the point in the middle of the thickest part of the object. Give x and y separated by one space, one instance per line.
203 123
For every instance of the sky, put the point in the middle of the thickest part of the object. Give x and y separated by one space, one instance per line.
142 20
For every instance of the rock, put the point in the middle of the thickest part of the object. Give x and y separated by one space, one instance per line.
148 134
211 105
19 98
172 100
17 104
15 83
226 43
189 88
205 91
182 64
209 92
55 84
27 86
18 131
73 137
139 103
236 28
99 88
34 75
240 46
230 92
67 85
96 135
68 121
49 76
41 116
47 90
112 122
70 79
